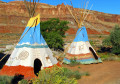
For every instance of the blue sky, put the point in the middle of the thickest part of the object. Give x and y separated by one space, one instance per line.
106 6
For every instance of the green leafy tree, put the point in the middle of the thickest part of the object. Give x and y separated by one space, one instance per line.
114 40
107 42
53 31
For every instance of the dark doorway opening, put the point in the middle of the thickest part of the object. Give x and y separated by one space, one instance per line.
93 53
37 66
4 60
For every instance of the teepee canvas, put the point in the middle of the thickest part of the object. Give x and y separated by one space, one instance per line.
80 48
31 54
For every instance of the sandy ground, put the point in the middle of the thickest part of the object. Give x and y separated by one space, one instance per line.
102 73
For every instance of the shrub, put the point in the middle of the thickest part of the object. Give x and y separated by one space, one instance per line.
23 82
74 62
54 75
12 80
109 57
106 42
87 74
5 79
91 42
114 40
1 51
77 75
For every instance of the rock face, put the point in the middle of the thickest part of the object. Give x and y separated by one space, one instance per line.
14 17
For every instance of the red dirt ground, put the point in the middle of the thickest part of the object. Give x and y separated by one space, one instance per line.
102 73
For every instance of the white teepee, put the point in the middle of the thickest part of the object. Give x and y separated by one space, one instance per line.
80 48
31 54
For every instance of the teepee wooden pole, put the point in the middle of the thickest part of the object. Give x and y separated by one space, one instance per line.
31 6
81 20
88 13
27 7
71 13
85 9
74 13
80 12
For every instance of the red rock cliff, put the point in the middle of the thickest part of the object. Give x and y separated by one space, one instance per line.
14 17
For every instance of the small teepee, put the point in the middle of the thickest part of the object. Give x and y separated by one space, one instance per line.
80 48
31 54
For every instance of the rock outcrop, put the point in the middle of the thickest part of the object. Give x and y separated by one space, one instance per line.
14 17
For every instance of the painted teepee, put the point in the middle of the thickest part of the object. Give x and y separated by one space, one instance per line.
80 48
31 54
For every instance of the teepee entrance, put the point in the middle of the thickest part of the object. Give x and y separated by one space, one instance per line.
93 53
37 66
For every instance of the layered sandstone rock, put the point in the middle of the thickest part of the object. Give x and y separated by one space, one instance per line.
14 17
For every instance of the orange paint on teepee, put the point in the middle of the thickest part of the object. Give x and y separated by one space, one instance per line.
58 64
28 72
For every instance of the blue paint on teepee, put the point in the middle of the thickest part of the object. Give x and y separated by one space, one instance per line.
32 36
84 61
81 35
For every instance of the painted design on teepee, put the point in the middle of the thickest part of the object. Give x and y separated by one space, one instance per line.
23 55
31 51
80 48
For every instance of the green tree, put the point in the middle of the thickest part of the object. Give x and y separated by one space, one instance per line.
53 31
107 42
114 40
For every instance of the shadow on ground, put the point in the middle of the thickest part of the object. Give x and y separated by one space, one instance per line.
17 78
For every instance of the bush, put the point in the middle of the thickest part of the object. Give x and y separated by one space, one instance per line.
53 31
23 82
77 75
91 42
55 75
109 57
87 74
5 79
73 62
106 42
114 40
11 80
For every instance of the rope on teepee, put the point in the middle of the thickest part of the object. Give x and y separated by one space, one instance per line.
3 57
6 54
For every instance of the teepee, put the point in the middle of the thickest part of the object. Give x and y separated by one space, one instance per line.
80 48
31 54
